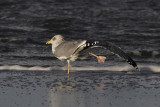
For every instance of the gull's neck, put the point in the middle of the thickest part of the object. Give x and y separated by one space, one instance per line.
55 45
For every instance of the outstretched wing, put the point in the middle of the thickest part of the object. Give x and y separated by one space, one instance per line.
111 47
118 51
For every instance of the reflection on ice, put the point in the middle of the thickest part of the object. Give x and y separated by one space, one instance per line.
84 89
111 90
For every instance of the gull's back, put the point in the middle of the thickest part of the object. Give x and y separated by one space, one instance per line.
67 49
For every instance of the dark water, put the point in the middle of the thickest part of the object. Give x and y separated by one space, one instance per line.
31 77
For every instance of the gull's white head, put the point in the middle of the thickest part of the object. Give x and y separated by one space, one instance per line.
56 40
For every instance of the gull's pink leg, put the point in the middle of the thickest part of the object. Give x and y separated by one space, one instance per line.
101 59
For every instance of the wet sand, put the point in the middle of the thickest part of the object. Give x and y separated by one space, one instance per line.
84 89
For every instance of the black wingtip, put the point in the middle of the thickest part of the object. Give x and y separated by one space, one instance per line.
137 68
133 63
119 52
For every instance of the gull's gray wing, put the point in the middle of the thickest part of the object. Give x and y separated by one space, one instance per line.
118 51
67 48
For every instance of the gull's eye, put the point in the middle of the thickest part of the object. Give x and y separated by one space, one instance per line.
53 38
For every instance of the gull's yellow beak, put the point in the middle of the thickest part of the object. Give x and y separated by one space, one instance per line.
48 42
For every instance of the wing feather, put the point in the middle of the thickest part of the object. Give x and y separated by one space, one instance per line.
118 51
